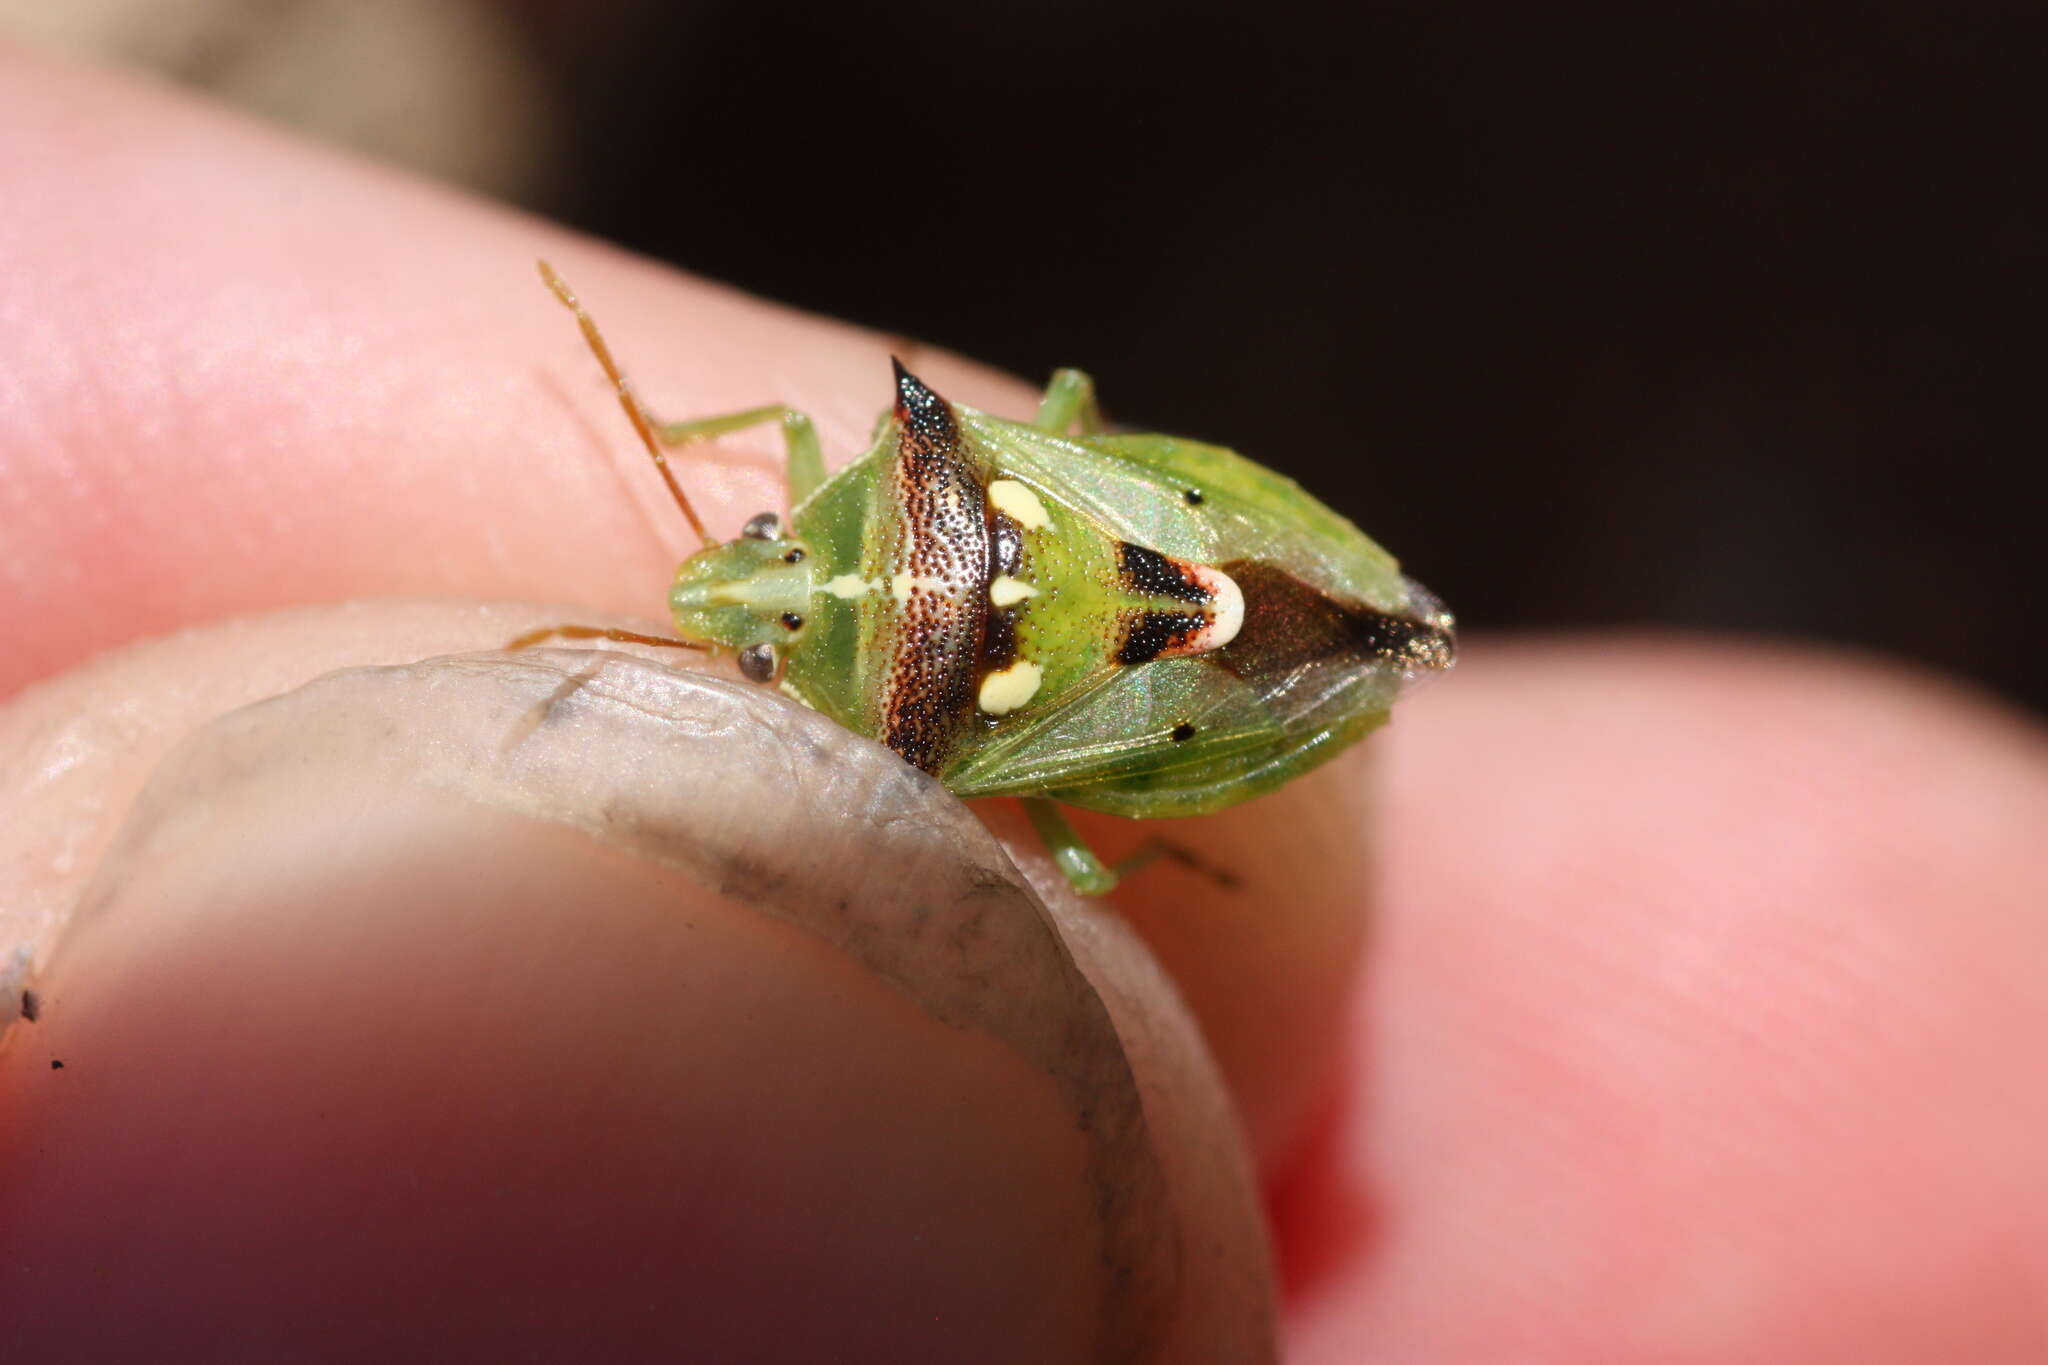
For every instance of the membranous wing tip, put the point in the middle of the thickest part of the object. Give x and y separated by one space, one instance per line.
1433 647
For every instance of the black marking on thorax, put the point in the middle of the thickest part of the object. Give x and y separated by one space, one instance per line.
1006 560
1006 543
1288 623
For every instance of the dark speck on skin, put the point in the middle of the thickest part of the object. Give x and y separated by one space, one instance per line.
559 705
806 744
749 879
559 701
967 932
31 1006
56 1065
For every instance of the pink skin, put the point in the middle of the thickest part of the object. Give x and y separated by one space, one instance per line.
1703 1015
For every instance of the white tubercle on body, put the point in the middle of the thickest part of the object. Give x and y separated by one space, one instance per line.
1226 611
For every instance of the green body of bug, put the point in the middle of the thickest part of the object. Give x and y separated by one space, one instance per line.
1128 623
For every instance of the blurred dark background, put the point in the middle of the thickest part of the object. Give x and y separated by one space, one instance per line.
1717 316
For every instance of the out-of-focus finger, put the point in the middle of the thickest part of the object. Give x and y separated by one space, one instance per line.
1702 1023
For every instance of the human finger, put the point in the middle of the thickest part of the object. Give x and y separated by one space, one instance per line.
1700 1022
566 1001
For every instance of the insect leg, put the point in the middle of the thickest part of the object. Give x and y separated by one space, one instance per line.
1074 858
806 467
1071 394
1155 848
630 637
806 461
1090 875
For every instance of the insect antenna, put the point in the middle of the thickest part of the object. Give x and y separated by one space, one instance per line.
630 637
628 400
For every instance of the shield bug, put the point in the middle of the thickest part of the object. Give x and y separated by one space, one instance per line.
1130 623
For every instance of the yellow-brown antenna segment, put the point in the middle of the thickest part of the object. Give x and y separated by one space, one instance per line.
635 414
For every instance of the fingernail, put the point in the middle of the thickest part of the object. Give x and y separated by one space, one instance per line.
564 1003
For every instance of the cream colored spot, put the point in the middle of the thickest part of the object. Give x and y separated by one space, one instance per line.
1008 592
851 585
1004 692
1226 613
1018 503
903 584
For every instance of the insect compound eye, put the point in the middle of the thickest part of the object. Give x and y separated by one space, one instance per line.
1183 732
794 556
757 663
762 526
791 621
1192 497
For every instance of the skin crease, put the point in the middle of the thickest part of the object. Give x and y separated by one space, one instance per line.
1701 1010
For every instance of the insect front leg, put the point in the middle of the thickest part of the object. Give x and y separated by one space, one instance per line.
1070 395
806 463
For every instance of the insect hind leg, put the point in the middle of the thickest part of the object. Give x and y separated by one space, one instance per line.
1093 877
1069 396
1088 873
1155 848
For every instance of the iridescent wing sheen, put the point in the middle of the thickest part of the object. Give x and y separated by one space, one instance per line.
1114 746
1185 736
1138 487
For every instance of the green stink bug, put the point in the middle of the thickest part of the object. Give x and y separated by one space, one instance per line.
1136 623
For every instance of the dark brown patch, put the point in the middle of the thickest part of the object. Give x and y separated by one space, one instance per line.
1006 543
1006 556
942 538
999 640
1148 634
31 1006
1288 623
1148 573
